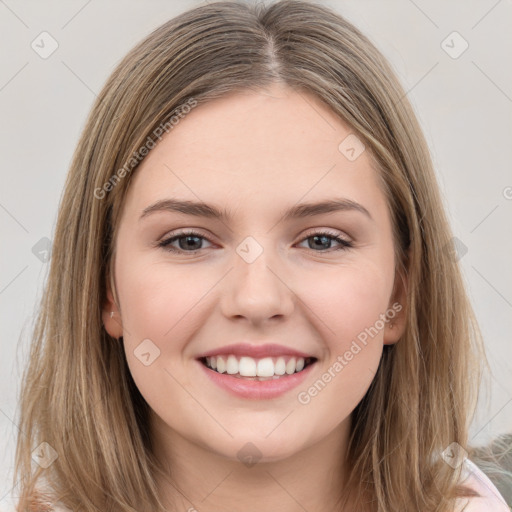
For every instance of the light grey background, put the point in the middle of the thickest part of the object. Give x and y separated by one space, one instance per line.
464 105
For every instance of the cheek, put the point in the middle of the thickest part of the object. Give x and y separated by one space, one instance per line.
160 304
158 299
348 300
166 304
345 309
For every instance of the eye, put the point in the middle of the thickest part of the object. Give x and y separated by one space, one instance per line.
190 241
323 238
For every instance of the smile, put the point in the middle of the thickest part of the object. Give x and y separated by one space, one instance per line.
257 369
254 386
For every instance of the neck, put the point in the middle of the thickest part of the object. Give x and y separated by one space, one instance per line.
198 478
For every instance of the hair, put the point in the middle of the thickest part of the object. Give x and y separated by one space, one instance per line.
77 391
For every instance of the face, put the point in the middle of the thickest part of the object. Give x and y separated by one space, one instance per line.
322 284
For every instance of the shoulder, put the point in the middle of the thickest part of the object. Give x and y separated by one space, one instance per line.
489 499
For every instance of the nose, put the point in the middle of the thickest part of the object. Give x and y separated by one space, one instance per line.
257 291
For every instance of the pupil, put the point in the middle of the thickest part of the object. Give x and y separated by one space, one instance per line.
187 244
325 239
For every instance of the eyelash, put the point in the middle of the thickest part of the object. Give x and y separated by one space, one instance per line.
165 244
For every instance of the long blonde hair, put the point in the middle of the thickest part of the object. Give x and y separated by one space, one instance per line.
78 395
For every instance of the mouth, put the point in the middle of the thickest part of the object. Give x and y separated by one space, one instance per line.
248 368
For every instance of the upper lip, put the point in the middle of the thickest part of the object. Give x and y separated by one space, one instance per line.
255 351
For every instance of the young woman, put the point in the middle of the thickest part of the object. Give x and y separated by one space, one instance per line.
253 301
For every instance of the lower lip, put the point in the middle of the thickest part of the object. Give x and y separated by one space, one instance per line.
257 390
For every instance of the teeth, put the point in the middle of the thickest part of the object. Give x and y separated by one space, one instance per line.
265 367
250 367
232 365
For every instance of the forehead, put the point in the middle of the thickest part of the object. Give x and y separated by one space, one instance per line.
255 150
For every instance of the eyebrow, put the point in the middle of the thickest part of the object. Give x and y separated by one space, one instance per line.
200 209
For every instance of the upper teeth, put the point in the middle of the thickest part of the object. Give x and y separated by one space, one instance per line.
250 367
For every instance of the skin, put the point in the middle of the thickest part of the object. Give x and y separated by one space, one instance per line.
256 153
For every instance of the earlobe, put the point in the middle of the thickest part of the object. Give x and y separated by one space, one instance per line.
394 330
397 312
111 317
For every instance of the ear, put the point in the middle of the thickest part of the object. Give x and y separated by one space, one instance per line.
111 315
397 311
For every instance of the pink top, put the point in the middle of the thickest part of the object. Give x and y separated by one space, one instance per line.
490 501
